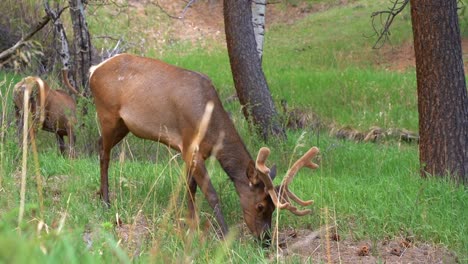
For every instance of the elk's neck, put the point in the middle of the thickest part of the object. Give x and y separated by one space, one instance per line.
234 159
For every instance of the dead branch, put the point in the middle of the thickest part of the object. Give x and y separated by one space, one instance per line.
182 15
186 8
163 10
386 18
8 52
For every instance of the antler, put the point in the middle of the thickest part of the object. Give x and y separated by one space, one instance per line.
285 193
262 156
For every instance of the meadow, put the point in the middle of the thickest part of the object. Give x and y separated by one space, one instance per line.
322 63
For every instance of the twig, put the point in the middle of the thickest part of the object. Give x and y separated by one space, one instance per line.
391 13
186 8
163 10
182 15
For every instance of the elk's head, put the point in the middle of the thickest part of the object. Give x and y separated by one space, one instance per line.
262 198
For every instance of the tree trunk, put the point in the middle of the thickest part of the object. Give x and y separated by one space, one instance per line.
82 45
64 51
258 20
249 79
442 94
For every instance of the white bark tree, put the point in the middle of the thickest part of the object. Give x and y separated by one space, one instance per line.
258 21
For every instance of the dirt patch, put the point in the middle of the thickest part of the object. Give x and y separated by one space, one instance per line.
401 58
203 20
327 247
132 236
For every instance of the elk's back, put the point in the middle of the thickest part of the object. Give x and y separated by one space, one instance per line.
155 100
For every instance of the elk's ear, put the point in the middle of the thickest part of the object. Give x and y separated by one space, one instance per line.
273 172
252 173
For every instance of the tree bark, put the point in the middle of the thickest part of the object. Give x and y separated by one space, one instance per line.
82 45
249 79
64 51
442 93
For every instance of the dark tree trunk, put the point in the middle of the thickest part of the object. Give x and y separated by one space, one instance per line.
249 79
442 94
81 45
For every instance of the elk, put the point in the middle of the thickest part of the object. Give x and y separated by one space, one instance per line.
165 103
52 110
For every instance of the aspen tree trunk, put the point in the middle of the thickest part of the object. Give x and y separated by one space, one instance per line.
258 21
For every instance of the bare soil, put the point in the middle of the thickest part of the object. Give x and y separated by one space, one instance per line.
311 246
327 247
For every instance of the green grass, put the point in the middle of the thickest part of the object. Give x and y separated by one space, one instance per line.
323 63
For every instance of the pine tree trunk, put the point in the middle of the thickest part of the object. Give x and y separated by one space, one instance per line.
249 79
442 93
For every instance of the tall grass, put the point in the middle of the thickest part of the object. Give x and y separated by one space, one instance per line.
366 190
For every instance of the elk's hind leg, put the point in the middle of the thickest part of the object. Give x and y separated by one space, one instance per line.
61 143
191 191
113 131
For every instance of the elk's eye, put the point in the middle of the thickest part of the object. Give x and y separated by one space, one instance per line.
260 207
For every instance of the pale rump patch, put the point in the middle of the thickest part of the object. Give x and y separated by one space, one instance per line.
93 68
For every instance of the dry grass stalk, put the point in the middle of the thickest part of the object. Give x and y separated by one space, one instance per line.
25 157
38 173
3 130
327 237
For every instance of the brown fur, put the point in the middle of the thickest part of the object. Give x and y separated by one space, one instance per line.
56 108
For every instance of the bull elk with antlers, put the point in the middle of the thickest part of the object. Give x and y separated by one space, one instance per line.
164 103
52 110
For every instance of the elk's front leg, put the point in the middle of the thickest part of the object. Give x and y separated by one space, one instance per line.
201 177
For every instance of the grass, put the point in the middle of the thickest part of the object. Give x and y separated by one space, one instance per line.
374 190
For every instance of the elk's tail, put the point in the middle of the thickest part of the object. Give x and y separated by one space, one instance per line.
68 84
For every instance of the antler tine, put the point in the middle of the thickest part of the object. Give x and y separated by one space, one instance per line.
293 209
297 199
304 161
262 156
300 212
264 176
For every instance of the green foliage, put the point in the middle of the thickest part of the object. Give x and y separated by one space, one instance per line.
371 190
